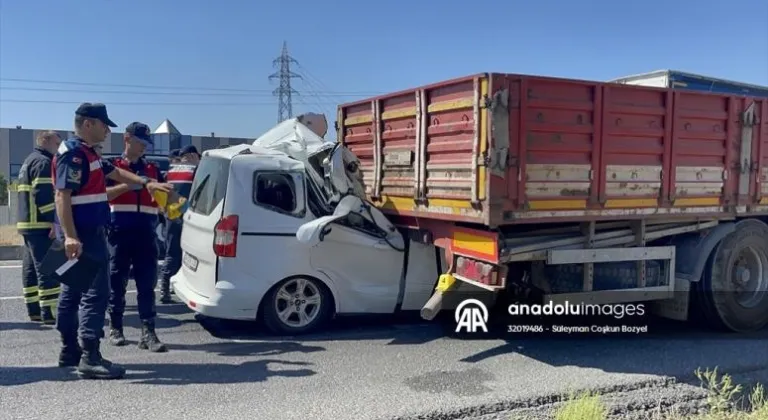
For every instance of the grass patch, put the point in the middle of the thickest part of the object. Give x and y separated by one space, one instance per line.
724 402
9 236
585 406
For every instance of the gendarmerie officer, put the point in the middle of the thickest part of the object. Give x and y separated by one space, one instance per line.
132 239
173 157
79 177
180 175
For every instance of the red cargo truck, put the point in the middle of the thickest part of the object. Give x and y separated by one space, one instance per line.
586 191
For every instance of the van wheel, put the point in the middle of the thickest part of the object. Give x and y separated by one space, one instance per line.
733 292
297 305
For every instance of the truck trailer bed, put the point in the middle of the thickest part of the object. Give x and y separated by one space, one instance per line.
501 149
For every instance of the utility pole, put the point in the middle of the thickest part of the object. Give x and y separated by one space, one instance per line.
284 91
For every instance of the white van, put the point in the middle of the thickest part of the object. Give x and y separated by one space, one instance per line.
242 256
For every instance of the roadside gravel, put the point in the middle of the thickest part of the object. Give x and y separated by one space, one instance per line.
640 401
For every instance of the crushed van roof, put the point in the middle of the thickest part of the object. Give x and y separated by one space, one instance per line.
258 157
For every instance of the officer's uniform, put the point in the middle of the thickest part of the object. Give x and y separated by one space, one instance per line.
78 168
132 241
36 212
180 175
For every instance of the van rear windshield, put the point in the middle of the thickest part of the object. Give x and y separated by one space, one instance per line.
210 184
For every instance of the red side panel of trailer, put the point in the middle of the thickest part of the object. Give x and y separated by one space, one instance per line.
499 149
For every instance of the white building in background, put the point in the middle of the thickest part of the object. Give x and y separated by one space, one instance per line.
17 143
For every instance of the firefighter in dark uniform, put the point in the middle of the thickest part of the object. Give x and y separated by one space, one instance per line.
36 212
180 175
82 210
132 239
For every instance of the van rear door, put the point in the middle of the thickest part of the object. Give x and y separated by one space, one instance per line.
206 204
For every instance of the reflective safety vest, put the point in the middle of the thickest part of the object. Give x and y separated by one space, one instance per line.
181 176
90 209
135 208
36 208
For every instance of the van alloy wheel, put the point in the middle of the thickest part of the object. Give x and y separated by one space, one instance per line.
297 302
297 305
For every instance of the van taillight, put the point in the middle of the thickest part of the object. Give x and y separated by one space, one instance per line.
225 236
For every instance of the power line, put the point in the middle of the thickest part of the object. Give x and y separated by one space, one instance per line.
262 94
284 92
109 104
199 88
69 82
312 83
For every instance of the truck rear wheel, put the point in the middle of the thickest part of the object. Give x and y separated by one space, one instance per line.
733 291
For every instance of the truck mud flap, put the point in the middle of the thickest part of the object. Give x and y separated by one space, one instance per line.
693 250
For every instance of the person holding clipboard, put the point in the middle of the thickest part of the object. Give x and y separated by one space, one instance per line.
82 210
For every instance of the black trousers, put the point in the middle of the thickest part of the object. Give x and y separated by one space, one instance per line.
132 248
172 253
81 311
40 290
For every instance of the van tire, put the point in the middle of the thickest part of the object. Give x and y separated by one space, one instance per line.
718 307
272 320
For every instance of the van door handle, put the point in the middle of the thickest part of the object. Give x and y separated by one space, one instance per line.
325 230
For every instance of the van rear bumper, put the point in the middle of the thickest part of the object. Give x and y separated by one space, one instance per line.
220 304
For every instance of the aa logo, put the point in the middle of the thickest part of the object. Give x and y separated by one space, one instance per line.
471 315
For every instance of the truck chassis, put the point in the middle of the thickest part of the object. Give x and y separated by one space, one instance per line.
711 261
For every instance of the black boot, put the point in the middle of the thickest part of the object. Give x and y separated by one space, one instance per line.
33 311
94 366
165 297
70 352
48 317
149 340
116 337
165 292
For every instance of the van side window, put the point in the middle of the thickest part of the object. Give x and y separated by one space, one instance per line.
358 222
275 191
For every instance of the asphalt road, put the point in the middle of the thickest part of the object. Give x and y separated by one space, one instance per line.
361 369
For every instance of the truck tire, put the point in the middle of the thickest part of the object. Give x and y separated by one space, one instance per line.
733 292
316 314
